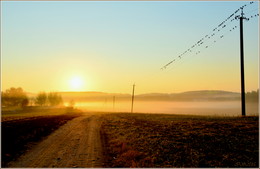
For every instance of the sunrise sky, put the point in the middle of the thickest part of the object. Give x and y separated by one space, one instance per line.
108 46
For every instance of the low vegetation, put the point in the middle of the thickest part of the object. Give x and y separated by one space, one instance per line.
146 140
23 128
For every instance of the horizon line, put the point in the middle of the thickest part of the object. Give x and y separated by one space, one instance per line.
141 93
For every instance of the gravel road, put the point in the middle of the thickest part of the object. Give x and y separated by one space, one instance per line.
76 144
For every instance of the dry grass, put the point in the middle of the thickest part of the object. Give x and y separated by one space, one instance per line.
146 140
15 113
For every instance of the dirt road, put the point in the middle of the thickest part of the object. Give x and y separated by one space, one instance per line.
76 144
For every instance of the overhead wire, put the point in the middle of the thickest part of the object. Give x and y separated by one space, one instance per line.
220 32
217 30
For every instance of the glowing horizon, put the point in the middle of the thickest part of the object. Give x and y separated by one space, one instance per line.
109 46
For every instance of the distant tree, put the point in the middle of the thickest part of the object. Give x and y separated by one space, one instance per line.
54 99
252 96
41 99
14 97
25 102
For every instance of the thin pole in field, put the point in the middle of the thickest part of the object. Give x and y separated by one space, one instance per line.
243 104
133 95
114 102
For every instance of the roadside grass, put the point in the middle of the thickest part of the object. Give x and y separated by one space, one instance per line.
16 113
156 140
24 128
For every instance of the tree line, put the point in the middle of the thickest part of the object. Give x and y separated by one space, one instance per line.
252 96
17 97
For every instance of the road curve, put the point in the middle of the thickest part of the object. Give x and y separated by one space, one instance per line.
76 144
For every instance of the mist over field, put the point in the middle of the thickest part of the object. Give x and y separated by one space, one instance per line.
225 108
217 103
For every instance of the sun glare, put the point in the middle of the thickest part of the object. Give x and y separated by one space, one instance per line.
76 83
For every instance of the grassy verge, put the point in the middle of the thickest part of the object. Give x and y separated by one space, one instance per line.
22 129
152 140
8 114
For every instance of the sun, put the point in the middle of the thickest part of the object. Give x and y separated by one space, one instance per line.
76 83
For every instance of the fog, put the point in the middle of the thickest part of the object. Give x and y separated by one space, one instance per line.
212 108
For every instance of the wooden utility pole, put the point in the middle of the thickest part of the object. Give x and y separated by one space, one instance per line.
133 95
243 104
114 102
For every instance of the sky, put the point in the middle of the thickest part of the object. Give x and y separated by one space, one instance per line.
109 46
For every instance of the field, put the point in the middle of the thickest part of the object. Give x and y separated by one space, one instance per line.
127 140
21 129
152 140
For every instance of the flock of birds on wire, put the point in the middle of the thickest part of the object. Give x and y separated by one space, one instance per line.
213 36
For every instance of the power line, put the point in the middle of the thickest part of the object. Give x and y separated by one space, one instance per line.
200 43
197 47
253 16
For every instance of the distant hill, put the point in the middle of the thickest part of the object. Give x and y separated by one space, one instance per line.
93 96
202 95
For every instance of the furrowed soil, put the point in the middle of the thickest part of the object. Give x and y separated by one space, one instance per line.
150 140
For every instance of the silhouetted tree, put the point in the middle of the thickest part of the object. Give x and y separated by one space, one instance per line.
25 102
252 96
54 99
14 97
41 99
